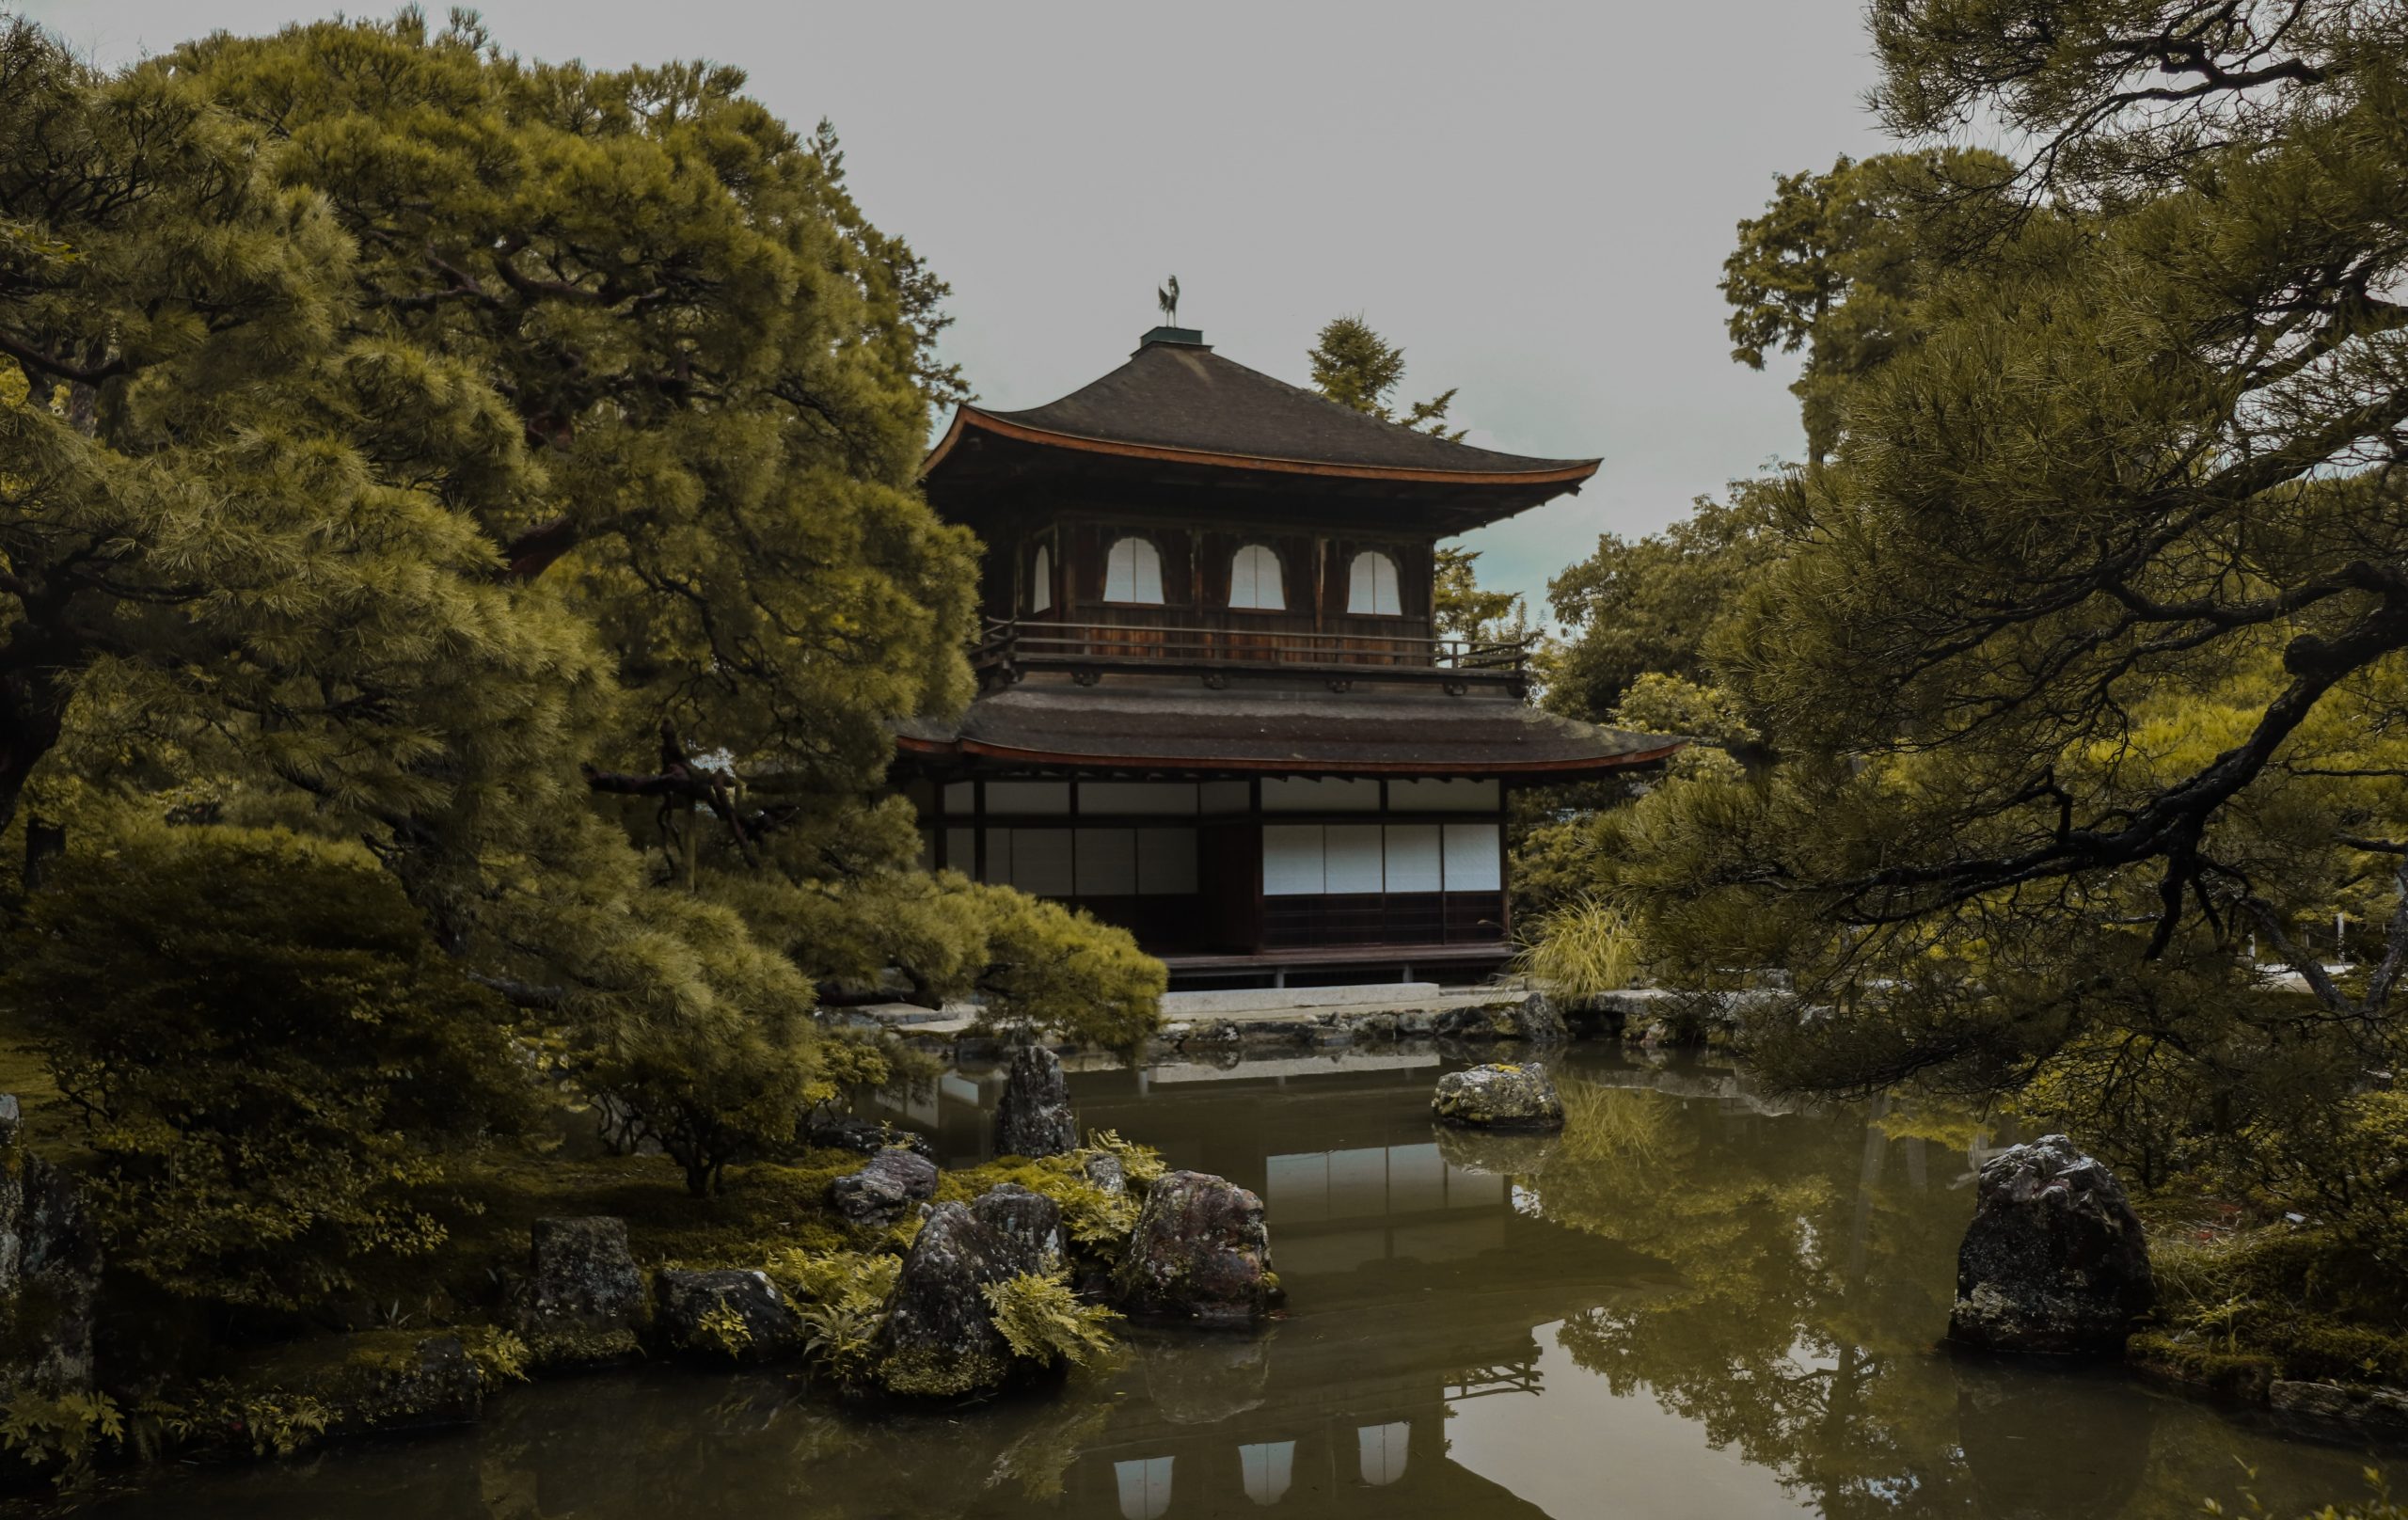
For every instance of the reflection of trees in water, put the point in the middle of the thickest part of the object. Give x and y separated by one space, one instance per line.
1810 1270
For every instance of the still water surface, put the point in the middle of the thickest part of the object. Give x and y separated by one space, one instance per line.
1695 1303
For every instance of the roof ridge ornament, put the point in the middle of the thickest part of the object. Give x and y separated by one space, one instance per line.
1166 297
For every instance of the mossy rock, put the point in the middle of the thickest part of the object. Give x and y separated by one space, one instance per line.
1500 1096
1201 1252
727 1316
2247 1376
377 1380
939 1339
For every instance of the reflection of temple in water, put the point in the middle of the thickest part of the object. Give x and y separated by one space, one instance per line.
1416 1276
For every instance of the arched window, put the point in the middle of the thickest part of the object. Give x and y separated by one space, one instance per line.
1145 1487
1370 585
1268 1468
1133 572
1040 580
1381 1449
1255 579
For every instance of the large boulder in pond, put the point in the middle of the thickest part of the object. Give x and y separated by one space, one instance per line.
879 1193
1501 1096
727 1314
2056 1260
939 1339
1033 1116
584 1300
1200 1251
50 1270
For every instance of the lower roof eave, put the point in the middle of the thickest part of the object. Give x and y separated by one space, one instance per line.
1287 764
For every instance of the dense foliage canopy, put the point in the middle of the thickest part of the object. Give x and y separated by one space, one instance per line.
509 467
2084 654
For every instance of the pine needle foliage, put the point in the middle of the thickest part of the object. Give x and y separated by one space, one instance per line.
508 465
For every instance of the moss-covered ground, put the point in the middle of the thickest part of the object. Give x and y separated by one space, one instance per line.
2245 1302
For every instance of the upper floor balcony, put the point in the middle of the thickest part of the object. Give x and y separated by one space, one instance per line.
1186 639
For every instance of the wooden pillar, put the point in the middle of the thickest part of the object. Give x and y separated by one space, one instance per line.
1504 858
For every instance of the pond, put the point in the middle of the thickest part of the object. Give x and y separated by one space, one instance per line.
1695 1303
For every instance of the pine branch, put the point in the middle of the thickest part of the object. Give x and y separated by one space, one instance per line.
83 374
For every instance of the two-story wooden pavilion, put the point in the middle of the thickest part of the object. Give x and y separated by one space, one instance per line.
1214 707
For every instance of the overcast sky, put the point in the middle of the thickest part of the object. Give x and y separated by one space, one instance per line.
1534 200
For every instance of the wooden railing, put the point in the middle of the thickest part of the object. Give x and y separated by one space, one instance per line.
1009 645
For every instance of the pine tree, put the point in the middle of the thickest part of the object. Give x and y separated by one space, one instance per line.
2087 652
510 465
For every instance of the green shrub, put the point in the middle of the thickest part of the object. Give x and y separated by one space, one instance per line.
1140 1164
860 1280
842 1339
1055 970
723 1327
715 1064
267 1054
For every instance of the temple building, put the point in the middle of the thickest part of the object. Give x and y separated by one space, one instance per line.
1214 705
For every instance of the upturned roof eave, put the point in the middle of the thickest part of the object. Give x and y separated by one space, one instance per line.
1568 474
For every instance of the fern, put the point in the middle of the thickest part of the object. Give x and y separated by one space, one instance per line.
842 1339
860 1281
1044 1322
500 1356
65 1434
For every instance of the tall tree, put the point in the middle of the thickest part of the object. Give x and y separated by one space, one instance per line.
1646 605
1838 260
508 464
2091 650
1354 366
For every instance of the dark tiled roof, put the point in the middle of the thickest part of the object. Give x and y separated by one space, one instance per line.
1185 397
1170 728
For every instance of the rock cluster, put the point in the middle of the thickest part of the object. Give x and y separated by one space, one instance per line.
1033 1117
50 1270
1199 1252
2056 1260
727 1314
584 1301
879 1193
1503 1096
850 1132
939 1339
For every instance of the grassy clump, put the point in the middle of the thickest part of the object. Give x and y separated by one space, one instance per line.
1580 950
2239 1310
